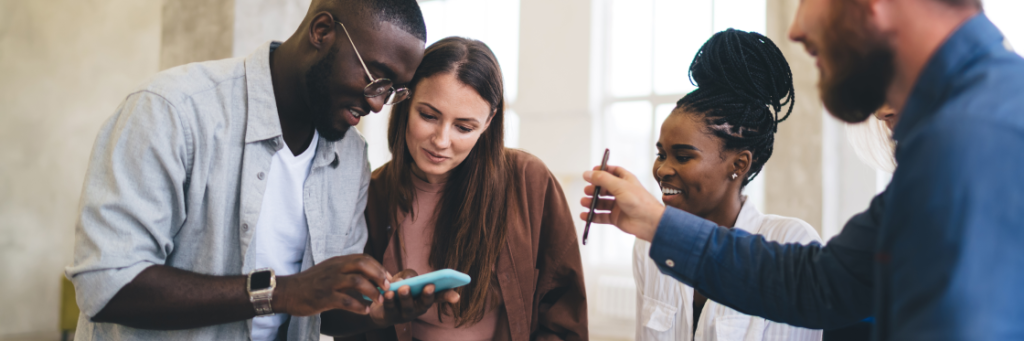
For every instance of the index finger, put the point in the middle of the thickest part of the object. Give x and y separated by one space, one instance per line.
369 268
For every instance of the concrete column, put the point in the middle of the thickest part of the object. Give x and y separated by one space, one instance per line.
554 96
65 66
793 176
196 30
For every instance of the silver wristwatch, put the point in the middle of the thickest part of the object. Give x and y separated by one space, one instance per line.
260 285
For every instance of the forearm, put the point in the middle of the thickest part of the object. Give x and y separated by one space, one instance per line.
808 286
166 298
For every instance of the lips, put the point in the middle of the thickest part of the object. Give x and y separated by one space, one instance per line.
669 191
433 157
352 115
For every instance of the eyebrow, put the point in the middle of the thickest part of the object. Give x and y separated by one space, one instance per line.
471 119
684 147
383 68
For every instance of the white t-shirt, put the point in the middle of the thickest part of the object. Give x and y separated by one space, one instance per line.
281 230
665 306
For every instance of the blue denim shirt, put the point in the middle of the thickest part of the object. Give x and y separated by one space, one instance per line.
938 256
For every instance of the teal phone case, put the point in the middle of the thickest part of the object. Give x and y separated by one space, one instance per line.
443 279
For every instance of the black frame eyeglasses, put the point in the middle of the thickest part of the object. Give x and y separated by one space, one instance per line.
377 86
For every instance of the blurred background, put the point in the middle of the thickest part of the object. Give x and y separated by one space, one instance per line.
581 76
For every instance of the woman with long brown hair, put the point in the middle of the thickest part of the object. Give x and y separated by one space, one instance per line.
454 197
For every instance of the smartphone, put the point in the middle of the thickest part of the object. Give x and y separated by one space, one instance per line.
443 279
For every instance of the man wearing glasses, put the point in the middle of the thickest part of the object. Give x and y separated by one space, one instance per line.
224 200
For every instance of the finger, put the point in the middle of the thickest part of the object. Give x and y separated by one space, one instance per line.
359 285
604 204
451 296
405 302
426 298
346 302
599 218
368 267
405 274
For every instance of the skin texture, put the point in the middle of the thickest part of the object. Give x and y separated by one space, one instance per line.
167 298
446 121
691 160
912 29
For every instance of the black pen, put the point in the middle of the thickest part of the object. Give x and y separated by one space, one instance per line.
593 204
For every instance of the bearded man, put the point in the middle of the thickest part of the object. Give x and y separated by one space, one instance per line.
224 199
938 255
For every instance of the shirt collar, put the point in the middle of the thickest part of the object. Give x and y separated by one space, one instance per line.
262 122
750 218
975 38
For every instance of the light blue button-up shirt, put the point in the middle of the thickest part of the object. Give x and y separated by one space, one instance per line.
177 177
938 256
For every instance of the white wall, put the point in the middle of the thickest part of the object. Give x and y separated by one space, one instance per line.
65 66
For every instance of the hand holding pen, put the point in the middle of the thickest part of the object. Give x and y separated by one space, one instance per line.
625 202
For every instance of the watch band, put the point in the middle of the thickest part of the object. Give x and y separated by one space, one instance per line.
262 296
261 301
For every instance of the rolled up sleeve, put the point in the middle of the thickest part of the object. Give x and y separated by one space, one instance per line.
133 199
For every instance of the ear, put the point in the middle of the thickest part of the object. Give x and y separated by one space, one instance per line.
489 118
741 163
322 30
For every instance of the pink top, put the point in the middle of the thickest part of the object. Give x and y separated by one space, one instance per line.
417 235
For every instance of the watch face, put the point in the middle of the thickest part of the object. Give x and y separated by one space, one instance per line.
259 280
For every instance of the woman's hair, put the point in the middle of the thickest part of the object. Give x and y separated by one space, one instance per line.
872 142
743 83
472 214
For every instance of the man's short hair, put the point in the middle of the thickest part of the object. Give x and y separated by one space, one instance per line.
402 13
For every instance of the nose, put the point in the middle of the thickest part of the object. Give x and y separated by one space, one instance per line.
442 137
796 33
376 103
663 172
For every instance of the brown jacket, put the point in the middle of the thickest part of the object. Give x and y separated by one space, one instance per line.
539 272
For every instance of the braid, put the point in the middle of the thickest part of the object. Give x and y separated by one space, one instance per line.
743 84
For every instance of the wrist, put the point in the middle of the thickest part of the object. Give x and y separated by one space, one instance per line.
279 302
652 225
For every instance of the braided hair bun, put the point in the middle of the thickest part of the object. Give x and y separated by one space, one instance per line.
743 84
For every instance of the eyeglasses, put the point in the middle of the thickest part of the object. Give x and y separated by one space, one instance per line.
378 86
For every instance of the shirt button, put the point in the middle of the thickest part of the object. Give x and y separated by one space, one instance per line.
670 263
245 227
259 175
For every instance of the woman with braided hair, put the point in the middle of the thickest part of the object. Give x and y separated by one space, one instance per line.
714 143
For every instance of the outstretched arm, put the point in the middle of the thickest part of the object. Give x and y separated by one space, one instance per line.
809 286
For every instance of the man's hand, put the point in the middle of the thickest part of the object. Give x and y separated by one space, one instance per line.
399 306
624 202
337 283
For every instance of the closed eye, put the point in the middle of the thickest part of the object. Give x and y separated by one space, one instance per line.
464 129
428 117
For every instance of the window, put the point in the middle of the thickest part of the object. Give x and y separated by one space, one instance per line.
494 22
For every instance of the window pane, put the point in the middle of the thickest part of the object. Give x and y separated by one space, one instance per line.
630 48
1006 15
677 40
746 15
628 126
494 22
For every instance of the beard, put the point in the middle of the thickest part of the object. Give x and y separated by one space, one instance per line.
318 88
860 62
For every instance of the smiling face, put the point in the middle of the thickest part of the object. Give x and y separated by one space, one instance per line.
446 119
335 83
694 172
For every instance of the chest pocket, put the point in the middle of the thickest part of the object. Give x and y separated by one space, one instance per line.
739 327
657 315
